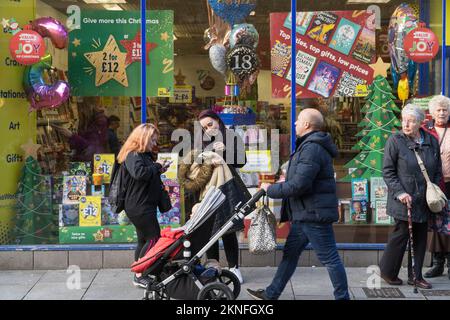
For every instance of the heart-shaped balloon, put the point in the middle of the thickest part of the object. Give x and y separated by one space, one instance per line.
232 11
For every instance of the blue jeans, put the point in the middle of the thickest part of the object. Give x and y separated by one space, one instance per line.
321 236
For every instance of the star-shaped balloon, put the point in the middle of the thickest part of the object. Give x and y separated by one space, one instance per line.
110 63
134 49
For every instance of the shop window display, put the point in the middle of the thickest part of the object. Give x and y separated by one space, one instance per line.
261 103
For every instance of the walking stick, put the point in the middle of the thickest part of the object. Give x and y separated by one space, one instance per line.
411 247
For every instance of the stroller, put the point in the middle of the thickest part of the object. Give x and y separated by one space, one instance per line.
174 266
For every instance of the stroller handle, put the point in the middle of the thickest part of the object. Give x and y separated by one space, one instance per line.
258 195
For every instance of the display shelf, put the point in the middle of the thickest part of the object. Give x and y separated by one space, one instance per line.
44 122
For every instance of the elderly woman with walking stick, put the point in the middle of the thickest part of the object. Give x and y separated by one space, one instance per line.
406 194
439 244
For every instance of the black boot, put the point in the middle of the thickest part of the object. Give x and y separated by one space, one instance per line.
438 266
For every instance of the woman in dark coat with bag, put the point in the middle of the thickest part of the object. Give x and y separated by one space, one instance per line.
215 132
143 188
407 187
439 244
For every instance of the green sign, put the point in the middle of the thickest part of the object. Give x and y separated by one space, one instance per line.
104 234
105 54
423 103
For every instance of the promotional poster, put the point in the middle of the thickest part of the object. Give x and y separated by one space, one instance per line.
331 45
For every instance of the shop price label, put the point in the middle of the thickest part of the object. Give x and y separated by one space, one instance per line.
182 94
110 64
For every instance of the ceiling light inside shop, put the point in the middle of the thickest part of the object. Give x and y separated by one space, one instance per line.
253 13
112 7
104 1
366 1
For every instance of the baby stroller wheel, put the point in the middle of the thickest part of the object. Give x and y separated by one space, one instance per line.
160 295
215 291
231 281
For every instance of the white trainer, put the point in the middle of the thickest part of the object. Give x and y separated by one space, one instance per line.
238 274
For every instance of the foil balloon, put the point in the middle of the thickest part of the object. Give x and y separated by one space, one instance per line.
210 37
232 11
244 34
217 54
53 29
403 20
40 94
403 88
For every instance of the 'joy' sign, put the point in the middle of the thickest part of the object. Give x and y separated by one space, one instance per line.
27 47
421 45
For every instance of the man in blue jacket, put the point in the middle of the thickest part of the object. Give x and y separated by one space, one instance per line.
310 203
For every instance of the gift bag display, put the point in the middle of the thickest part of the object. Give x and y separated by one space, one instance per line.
262 231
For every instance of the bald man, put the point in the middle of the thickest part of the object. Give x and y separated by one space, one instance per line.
310 204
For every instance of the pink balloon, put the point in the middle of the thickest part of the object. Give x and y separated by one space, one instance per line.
48 97
53 29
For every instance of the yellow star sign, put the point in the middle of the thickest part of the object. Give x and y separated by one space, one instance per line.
165 36
109 63
76 42
380 68
30 149
98 236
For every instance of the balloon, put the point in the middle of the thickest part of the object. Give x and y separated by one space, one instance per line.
210 37
244 34
403 20
40 94
217 55
403 88
242 61
53 29
232 11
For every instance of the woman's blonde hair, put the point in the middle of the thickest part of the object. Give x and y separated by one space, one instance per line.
137 140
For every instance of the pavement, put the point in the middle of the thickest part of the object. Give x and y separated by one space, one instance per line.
310 283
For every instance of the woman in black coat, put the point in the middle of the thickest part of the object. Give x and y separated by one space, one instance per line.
232 150
407 187
144 186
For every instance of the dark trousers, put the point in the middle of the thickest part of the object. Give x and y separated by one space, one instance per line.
391 261
147 234
321 237
231 247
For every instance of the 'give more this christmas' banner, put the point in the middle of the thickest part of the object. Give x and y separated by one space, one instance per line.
105 54
17 125
334 50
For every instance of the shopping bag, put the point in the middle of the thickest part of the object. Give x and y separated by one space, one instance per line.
262 231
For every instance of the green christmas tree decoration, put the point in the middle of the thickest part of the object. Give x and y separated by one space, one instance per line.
35 222
379 123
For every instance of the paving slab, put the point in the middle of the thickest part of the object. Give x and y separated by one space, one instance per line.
14 292
307 283
55 291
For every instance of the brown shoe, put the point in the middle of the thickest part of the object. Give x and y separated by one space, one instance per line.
393 282
422 284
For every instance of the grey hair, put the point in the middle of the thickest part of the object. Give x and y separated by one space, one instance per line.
415 111
438 101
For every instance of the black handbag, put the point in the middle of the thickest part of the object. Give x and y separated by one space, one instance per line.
117 189
164 203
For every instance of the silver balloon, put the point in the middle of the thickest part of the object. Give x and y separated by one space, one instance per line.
217 55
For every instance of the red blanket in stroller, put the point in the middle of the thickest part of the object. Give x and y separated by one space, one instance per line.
168 237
